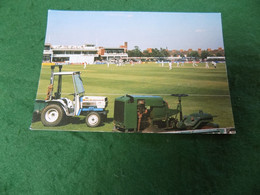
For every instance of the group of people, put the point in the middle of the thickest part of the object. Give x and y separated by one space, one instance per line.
121 63
193 64
171 62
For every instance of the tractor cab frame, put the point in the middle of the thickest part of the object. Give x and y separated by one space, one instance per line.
55 108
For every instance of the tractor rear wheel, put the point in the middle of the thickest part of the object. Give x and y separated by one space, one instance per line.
52 115
93 119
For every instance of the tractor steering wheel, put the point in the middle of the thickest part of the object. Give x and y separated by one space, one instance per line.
73 96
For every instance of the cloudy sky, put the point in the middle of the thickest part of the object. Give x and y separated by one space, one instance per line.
143 29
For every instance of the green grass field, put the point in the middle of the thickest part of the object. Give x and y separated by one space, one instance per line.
208 89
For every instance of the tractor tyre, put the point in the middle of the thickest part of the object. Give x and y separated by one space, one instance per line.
52 115
93 119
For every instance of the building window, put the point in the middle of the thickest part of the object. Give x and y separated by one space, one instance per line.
58 52
56 59
114 51
89 52
47 47
46 58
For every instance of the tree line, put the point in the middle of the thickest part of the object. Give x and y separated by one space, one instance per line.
154 52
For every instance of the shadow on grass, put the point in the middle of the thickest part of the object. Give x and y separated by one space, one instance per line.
36 117
77 120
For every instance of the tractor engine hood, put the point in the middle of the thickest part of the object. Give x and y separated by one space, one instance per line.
94 101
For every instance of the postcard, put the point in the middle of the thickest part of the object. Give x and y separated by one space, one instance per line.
133 72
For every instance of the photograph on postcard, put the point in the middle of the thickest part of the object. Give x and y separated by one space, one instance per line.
140 72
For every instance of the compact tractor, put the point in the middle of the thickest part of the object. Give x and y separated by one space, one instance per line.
54 109
138 113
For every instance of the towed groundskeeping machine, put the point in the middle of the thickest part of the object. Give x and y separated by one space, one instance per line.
54 109
139 113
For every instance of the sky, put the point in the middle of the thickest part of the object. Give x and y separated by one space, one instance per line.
168 30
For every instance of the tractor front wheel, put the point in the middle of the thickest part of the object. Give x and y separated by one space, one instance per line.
52 115
93 119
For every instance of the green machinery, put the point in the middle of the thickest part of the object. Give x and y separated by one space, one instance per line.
137 113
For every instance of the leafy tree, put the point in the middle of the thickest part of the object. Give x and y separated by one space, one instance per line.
193 54
164 53
204 54
136 52
156 53
220 53
181 54
146 53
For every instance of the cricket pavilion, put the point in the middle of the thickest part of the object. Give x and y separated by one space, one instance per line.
87 53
